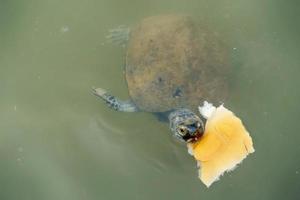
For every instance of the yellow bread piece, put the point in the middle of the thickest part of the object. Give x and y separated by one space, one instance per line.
224 144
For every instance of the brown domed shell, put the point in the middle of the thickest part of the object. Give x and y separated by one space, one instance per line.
174 62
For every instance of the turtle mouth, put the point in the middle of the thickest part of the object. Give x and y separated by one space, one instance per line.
193 137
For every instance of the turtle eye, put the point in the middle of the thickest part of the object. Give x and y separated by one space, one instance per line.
182 130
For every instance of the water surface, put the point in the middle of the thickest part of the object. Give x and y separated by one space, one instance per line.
58 142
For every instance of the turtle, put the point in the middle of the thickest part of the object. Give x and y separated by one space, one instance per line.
172 63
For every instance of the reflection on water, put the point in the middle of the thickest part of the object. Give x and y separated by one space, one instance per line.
58 142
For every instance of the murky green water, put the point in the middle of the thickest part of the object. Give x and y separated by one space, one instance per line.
58 142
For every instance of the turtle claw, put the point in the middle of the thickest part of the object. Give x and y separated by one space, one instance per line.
98 92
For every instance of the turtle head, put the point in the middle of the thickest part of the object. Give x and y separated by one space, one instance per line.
186 125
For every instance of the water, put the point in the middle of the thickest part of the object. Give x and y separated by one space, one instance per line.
58 142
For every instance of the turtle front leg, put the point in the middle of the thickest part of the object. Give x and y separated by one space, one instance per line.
113 102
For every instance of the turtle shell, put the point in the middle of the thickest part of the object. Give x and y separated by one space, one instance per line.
173 62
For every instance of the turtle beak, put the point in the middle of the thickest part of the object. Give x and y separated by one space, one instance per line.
194 132
192 129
